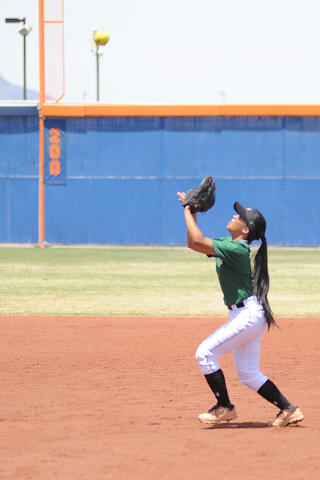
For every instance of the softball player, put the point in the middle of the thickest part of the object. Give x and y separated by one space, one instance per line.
250 314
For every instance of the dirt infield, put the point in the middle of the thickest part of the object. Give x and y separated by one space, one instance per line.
118 398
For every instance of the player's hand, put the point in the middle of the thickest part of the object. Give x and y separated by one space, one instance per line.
181 196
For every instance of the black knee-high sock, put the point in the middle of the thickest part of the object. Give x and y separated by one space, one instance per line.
217 383
271 393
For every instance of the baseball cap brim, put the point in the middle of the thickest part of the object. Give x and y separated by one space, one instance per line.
242 211
248 216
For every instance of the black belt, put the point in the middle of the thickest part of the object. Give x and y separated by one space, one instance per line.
238 305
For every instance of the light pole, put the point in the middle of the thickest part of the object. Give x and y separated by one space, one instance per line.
98 54
24 31
100 39
223 97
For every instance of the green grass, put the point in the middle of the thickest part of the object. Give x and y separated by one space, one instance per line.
138 281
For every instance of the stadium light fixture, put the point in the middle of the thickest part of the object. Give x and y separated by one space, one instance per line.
99 40
24 31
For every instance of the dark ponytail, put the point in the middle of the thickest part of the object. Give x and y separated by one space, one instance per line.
261 282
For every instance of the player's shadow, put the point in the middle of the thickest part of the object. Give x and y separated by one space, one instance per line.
237 425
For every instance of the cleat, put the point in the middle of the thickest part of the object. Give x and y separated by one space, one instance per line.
285 418
218 414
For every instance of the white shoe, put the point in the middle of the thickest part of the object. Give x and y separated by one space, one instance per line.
218 414
285 418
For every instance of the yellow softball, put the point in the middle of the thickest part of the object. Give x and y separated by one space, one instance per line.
101 37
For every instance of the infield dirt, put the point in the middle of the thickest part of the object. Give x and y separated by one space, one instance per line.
118 398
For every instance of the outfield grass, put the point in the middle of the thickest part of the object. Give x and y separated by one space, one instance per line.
138 281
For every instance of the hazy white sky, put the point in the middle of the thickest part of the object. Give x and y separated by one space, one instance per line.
178 51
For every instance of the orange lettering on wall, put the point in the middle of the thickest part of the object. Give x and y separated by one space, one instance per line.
54 167
54 151
55 135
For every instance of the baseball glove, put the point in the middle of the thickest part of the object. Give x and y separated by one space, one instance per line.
202 198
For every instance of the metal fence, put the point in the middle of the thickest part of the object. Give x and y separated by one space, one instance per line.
123 173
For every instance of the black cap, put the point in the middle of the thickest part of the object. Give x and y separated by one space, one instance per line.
247 215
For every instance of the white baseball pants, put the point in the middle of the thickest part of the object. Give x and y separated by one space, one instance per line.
242 335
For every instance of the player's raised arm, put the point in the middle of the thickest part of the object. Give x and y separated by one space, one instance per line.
195 238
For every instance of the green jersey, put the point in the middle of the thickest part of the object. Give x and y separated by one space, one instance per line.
233 269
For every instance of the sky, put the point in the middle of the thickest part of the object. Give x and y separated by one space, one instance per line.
177 51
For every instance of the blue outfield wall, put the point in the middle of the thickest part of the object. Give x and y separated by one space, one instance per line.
19 177
123 174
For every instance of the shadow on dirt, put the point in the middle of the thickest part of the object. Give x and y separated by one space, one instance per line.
238 425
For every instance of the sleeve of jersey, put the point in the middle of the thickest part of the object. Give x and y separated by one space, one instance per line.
225 249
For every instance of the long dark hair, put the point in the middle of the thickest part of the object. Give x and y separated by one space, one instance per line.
261 282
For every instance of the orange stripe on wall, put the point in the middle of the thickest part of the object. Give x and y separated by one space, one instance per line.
41 221
95 110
